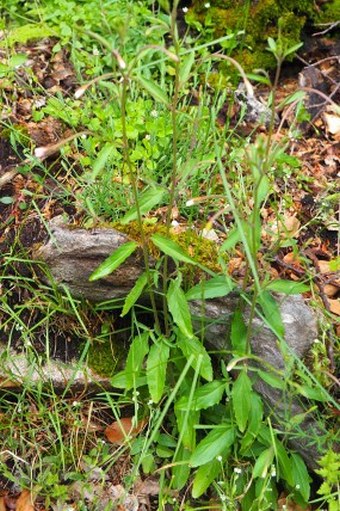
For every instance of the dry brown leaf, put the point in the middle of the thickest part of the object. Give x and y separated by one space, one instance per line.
25 501
117 432
2 504
324 266
334 306
330 290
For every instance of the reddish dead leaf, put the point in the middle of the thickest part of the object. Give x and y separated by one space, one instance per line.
2 504
25 501
334 306
117 432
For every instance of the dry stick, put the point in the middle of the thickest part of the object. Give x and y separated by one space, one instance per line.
330 27
41 153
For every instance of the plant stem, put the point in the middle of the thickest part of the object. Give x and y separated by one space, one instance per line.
127 160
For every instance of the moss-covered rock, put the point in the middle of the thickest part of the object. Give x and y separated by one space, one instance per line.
259 20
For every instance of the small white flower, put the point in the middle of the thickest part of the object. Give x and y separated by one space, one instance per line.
219 458
207 5
273 471
95 52
297 487
150 402
316 341
190 202
75 403
154 113
185 9
238 470
147 137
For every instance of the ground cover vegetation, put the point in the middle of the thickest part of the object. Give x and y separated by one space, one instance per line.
118 113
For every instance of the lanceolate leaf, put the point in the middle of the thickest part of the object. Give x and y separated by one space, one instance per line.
156 369
272 313
221 285
154 90
241 395
263 462
147 200
178 306
204 476
171 249
194 347
185 68
135 293
112 262
300 476
238 332
206 396
138 349
101 160
287 287
213 445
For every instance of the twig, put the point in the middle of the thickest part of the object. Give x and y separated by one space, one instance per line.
330 27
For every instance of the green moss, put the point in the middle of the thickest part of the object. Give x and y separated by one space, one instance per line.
259 20
330 12
202 250
103 357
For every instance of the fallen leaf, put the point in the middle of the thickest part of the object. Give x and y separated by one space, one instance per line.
324 266
25 501
2 504
334 306
330 290
333 124
117 432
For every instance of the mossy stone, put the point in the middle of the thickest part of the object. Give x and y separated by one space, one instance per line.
259 20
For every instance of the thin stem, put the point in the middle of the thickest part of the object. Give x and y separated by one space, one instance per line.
173 107
127 160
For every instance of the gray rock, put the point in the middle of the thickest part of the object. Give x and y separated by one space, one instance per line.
73 254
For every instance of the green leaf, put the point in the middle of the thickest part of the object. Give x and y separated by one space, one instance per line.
194 347
146 201
154 90
204 476
254 423
120 381
205 396
17 60
285 465
138 349
185 68
212 445
171 249
112 262
156 369
181 471
263 462
314 393
100 162
287 287
271 311
186 424
241 399
300 476
233 238
178 306
272 380
135 293
238 332
221 285
293 49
